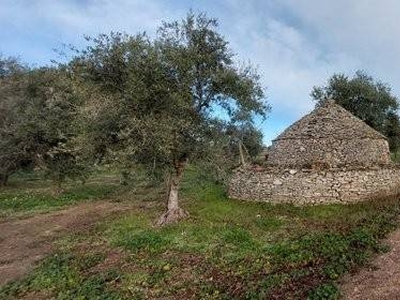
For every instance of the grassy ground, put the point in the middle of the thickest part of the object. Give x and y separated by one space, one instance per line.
226 250
29 193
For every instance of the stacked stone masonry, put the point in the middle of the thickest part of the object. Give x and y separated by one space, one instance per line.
330 152
328 156
332 136
307 186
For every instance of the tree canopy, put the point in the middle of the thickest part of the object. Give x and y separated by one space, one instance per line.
155 102
13 151
369 99
38 109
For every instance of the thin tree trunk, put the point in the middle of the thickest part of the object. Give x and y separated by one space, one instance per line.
174 212
242 162
173 193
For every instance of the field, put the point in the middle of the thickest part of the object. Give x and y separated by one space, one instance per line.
226 249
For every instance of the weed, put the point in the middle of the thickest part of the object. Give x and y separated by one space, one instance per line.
227 249
149 241
60 275
325 291
40 198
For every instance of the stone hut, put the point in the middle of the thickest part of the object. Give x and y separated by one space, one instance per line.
327 156
329 136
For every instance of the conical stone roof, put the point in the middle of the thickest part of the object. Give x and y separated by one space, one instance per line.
329 136
330 120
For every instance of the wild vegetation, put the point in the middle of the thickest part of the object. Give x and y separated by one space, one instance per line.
137 119
133 101
226 248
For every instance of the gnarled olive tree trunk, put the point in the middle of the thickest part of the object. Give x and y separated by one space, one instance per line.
174 212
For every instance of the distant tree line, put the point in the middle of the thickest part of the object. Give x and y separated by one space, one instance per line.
133 101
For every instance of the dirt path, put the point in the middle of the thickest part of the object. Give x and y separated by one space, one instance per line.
380 281
24 242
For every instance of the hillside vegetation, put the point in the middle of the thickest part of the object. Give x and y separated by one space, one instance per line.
226 249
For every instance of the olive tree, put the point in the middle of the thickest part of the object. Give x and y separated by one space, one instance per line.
13 151
157 101
51 125
392 131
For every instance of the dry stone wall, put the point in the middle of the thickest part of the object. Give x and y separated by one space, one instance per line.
327 156
305 186
330 120
330 151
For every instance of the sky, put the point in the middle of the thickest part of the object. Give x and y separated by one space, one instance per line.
295 44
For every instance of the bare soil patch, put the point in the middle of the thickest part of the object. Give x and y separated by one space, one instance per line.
381 280
24 242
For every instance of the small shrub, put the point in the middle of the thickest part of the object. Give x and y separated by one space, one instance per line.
238 237
324 292
147 240
60 276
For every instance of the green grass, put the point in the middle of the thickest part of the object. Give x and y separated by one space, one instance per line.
227 249
60 275
28 193
395 156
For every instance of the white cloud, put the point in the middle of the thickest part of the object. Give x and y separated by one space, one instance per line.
34 28
366 30
72 18
296 44
290 63
299 44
